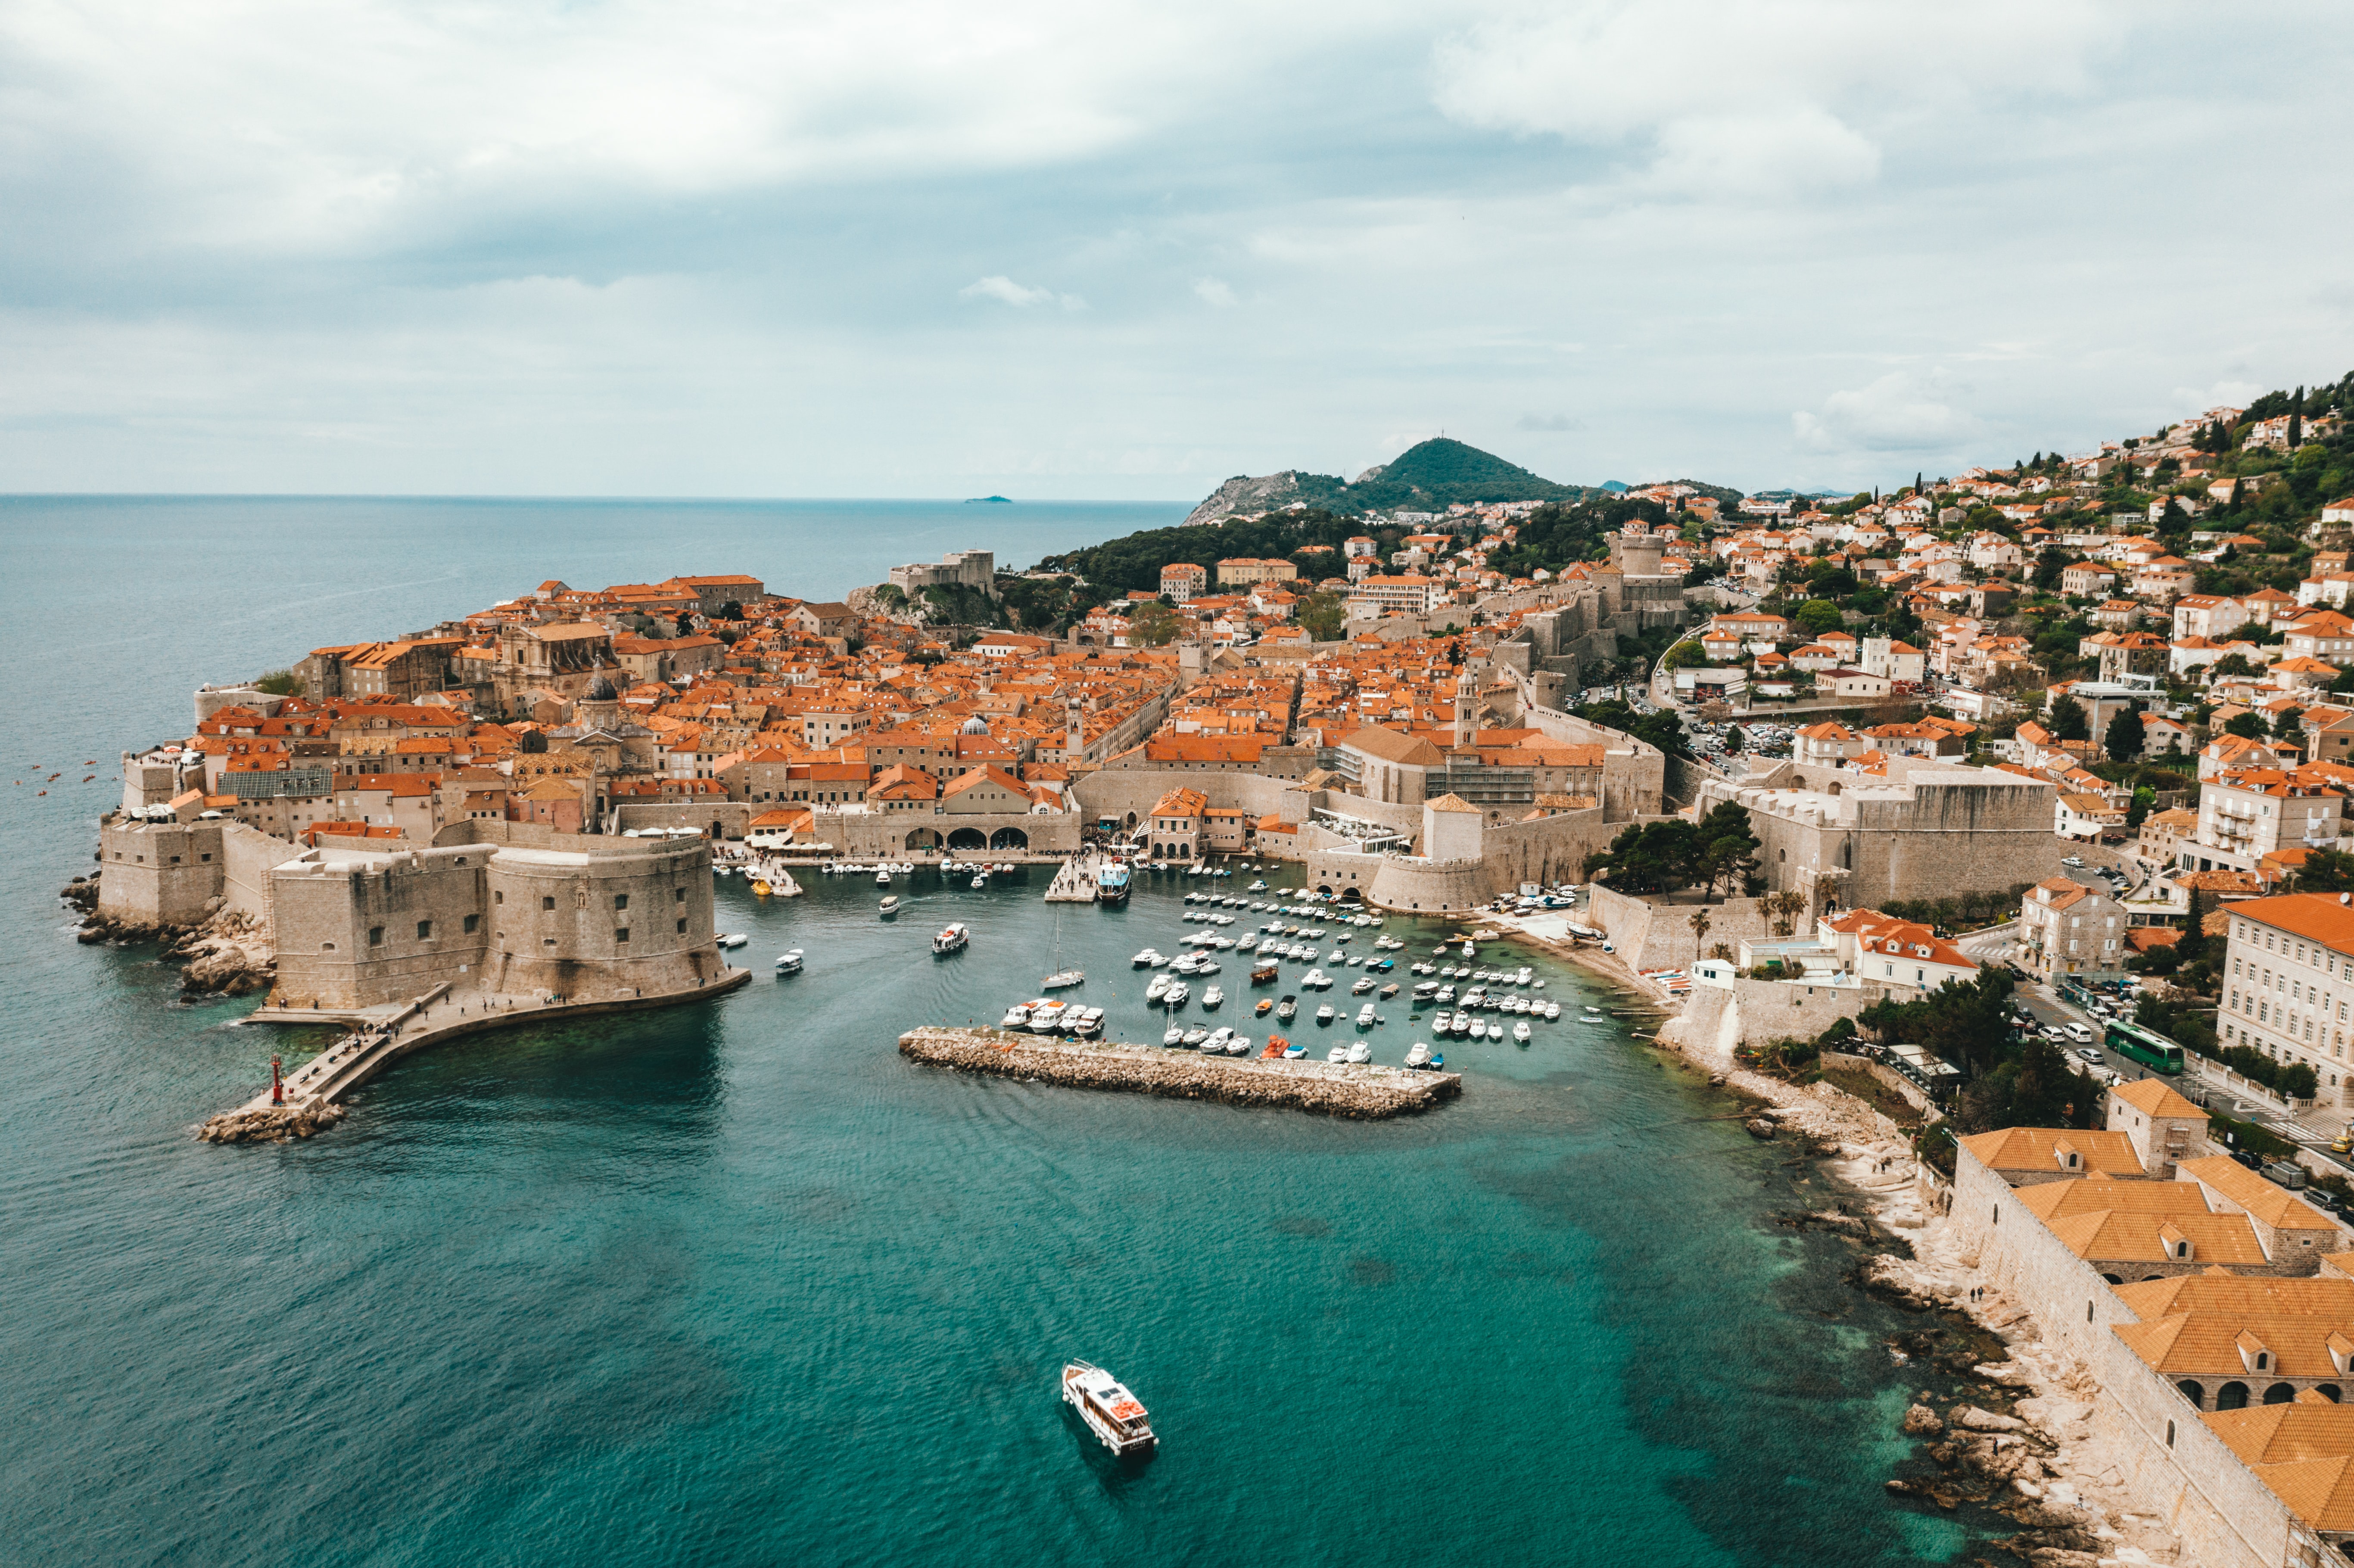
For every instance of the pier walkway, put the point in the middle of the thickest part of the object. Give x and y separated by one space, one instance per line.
1075 883
386 1031
1348 1089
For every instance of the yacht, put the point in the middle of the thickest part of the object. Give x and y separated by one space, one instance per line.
1365 983
734 939
1213 997
889 906
1315 979
1145 960
1520 1032
1360 1051
1044 1016
1441 1022
1417 1054
1062 980
1366 1016
951 938
1110 1412
1176 994
1159 987
790 962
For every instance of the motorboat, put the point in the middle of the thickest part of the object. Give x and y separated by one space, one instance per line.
1215 1043
1360 1051
1159 987
1109 1411
1288 1009
1366 1016
1265 1005
889 906
1045 1017
1258 887
734 939
1552 1012
881 876
1213 997
1338 1054
1424 989
1417 1054
760 887
1441 1022
1315 979
1238 1045
1292 1050
1016 1017
1088 1023
1174 1036
1365 983
952 938
790 962
980 879
1195 1035
1062 980
1176 994
1324 1014
1520 1032
1146 959
1388 990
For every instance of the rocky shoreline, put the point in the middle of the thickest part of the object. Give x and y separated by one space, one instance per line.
226 954
274 1125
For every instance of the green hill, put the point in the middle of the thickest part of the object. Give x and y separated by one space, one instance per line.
1429 476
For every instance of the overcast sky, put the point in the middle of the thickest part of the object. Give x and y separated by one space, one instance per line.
1113 249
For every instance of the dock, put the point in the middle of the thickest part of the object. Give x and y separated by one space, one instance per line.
1345 1089
1075 882
382 1035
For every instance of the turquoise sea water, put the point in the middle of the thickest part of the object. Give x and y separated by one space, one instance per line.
734 1283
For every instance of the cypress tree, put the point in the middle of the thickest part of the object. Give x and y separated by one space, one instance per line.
2124 740
2296 419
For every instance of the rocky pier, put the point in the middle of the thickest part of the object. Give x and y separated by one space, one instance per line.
1363 1091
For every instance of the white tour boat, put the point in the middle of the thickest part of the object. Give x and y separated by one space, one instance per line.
889 904
1110 1412
789 963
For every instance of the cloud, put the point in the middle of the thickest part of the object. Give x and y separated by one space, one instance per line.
1548 422
1214 292
1766 100
1897 413
1005 291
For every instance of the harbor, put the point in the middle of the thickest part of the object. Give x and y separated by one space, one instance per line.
1334 1088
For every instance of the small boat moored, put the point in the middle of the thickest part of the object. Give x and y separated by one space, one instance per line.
1110 1412
1062 979
734 939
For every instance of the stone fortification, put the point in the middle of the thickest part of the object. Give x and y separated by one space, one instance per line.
164 876
1929 829
1716 1019
1335 1089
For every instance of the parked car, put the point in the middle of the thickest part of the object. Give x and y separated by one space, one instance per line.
2251 1160
2072 860
2287 1172
2087 1054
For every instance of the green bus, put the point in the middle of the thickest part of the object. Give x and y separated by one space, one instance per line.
2150 1050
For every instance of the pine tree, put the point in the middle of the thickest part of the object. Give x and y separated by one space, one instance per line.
2067 720
2124 741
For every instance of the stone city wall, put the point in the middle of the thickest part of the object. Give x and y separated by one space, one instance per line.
731 817
158 873
890 833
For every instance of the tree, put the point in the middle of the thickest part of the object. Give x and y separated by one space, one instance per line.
732 611
1725 849
2067 720
2232 664
2124 741
1649 857
1152 624
686 623
1818 615
1323 614
2326 871
2245 724
2049 565
2286 725
1683 653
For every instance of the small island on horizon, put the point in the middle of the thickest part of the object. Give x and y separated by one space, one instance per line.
988 501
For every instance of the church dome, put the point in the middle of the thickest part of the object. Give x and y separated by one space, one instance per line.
974 725
600 690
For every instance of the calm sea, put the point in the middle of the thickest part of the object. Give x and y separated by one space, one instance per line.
736 1285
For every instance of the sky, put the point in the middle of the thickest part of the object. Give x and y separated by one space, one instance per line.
908 247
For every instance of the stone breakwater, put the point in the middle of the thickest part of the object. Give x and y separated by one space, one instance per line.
271 1124
1334 1088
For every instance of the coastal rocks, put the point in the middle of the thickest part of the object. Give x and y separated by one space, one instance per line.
1977 1420
1887 1277
1335 1090
1759 1128
1920 1421
274 1124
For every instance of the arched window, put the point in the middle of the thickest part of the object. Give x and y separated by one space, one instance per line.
2231 1396
2330 1391
2195 1392
2279 1393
